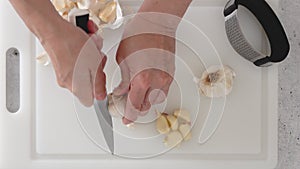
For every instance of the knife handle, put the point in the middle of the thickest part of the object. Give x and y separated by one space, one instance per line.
80 18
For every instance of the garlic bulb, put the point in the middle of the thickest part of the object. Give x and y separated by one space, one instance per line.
216 81
116 105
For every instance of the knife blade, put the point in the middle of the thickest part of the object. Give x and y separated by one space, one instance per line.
105 122
80 17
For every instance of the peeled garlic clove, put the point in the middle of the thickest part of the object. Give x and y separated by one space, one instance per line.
86 4
185 130
217 81
43 59
162 125
174 138
116 105
108 14
173 122
183 114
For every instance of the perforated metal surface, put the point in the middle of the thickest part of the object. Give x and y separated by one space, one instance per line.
238 40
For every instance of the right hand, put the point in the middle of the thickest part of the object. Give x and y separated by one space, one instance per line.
78 61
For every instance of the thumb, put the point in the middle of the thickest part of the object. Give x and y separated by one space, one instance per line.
100 82
92 27
123 87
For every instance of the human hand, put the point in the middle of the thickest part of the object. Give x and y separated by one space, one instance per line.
147 64
78 61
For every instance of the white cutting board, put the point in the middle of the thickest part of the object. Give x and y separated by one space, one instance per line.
48 133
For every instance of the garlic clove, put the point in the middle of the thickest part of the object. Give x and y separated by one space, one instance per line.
71 4
173 122
185 130
174 138
108 14
183 114
162 125
86 4
59 4
116 105
43 59
217 81
130 125
95 9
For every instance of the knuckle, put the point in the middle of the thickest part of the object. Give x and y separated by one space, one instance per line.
165 78
136 106
144 80
62 80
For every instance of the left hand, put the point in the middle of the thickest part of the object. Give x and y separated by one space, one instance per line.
147 63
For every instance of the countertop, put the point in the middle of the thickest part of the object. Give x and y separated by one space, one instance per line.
289 90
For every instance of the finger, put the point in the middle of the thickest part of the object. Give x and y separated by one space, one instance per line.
146 104
126 121
100 82
134 101
98 41
82 88
85 72
158 96
92 27
123 87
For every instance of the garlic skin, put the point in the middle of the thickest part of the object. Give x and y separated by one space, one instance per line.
216 81
116 105
43 59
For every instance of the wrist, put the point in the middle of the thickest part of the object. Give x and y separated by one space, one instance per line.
164 13
46 29
172 7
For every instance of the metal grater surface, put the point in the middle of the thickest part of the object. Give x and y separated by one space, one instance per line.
238 41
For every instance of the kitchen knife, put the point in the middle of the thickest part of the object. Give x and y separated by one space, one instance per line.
80 18
105 121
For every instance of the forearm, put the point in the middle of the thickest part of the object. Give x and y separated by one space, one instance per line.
173 7
39 15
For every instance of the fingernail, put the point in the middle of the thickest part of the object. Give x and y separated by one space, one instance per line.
101 96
